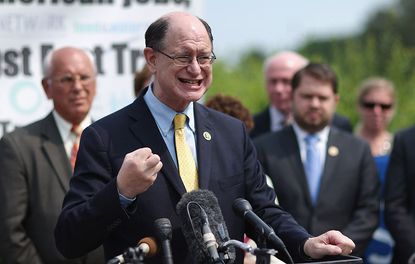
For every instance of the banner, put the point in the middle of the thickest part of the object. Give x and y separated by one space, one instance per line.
113 30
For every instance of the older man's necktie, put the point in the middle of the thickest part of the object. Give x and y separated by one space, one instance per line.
187 165
76 130
313 166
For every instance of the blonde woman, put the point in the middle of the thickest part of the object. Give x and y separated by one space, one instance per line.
376 105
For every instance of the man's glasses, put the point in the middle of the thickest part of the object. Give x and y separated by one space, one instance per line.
70 80
283 81
182 60
372 105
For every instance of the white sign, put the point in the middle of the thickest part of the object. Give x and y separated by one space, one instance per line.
113 30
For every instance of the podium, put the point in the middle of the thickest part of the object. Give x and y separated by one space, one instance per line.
336 259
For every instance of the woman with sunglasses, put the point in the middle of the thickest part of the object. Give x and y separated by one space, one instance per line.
376 101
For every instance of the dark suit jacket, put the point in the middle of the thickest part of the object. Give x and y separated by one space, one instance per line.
227 165
262 123
348 198
35 173
400 195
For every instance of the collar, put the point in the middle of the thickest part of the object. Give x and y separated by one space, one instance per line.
301 133
276 118
64 126
164 115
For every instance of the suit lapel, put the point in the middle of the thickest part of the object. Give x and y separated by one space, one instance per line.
205 138
55 152
297 163
332 157
144 127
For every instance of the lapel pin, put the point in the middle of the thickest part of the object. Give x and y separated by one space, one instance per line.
207 135
333 151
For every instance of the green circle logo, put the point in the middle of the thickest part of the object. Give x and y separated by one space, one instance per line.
25 97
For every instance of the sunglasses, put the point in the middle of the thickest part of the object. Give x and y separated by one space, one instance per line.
371 105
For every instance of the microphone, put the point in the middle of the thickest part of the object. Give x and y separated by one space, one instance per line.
202 225
208 237
164 234
147 247
244 208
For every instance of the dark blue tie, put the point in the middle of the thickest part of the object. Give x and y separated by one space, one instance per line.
312 166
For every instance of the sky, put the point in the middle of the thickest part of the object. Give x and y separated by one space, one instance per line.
273 25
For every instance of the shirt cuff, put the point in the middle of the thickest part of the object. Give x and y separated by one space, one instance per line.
125 201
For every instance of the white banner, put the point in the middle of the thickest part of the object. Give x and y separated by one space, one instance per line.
113 30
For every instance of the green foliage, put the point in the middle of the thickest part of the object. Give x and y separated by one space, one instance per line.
385 48
356 59
244 80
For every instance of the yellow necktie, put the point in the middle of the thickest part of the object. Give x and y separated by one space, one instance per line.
187 166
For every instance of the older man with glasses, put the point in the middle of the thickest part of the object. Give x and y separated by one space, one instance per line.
37 160
135 164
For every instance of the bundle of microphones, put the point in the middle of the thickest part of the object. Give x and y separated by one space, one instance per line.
206 234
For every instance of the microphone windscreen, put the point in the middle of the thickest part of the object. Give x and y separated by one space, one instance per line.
163 228
149 246
191 209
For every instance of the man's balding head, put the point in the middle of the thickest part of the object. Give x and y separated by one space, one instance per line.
286 60
279 70
179 54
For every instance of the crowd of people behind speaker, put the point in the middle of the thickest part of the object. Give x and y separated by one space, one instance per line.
323 176
278 72
36 159
375 103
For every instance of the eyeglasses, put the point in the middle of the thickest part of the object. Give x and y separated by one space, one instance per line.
182 60
371 105
283 81
70 80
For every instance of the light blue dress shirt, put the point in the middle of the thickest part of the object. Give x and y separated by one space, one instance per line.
164 116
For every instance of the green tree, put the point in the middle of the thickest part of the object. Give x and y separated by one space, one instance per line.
243 80
385 47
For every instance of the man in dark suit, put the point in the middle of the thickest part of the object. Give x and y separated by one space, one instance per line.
341 190
400 196
35 163
129 173
278 72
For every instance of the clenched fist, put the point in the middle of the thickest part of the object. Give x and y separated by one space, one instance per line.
138 172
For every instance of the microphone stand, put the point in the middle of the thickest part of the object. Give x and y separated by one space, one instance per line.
262 253
262 243
130 256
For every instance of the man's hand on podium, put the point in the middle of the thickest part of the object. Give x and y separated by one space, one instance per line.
329 243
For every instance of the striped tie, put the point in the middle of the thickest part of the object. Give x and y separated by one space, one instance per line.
76 130
187 166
